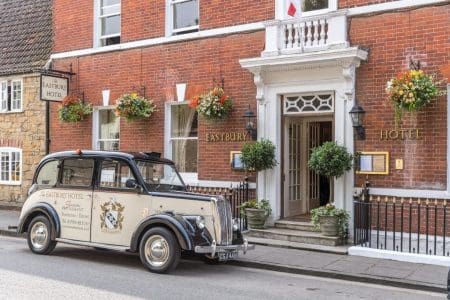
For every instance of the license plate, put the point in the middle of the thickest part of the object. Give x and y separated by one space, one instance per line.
228 255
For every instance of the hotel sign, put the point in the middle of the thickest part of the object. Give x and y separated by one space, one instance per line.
54 88
400 134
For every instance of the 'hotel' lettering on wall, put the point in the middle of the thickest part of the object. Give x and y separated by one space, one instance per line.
400 134
226 136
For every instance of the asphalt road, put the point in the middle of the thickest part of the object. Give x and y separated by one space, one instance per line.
84 273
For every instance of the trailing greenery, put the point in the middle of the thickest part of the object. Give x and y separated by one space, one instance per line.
73 109
330 160
262 204
330 210
259 156
213 105
134 107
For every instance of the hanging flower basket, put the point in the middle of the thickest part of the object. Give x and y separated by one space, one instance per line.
214 105
73 109
411 91
134 107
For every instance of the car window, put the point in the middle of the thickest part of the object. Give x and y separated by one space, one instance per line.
78 172
48 174
114 174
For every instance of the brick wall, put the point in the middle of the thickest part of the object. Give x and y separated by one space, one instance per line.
159 68
73 21
393 39
354 3
25 130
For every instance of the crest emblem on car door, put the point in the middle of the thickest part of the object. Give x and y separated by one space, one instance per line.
111 216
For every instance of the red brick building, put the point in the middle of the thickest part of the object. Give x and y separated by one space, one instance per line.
301 74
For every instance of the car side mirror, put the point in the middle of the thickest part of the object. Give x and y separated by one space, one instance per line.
132 184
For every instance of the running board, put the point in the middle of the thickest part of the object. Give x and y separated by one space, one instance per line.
89 244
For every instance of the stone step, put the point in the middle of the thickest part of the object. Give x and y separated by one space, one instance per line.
342 250
305 237
295 225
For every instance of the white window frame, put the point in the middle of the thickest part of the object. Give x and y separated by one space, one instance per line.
188 178
96 124
10 150
98 37
281 8
4 96
169 18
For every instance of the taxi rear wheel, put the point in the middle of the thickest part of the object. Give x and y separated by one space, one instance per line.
39 236
159 250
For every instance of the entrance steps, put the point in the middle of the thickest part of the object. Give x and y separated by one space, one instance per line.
296 235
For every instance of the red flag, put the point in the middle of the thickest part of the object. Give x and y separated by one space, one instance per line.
292 10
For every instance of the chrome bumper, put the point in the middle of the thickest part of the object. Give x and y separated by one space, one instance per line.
214 248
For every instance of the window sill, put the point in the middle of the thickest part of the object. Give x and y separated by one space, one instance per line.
11 183
12 112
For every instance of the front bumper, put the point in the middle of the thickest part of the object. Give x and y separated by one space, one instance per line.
214 249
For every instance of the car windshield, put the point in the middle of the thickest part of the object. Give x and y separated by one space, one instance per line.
160 177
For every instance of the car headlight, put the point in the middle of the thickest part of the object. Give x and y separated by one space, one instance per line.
200 221
235 225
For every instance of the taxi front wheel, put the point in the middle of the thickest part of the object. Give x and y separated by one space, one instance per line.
39 236
159 250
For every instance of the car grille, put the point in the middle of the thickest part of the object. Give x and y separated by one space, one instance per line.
226 221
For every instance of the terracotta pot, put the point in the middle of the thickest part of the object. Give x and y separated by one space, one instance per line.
255 218
329 225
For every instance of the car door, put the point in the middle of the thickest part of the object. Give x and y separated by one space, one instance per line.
72 198
117 209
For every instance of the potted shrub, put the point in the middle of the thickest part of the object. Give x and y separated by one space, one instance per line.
411 91
259 156
213 105
331 220
256 212
73 109
134 107
332 161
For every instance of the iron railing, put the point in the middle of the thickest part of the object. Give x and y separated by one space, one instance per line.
406 225
235 195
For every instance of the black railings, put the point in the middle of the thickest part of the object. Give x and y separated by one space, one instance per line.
404 225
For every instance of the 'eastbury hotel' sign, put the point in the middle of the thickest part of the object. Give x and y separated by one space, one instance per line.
53 88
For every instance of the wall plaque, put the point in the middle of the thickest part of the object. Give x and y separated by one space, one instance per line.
373 163
54 88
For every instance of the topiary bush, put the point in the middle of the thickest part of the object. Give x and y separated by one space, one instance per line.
330 160
259 156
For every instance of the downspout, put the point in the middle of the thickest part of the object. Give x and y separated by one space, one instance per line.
47 66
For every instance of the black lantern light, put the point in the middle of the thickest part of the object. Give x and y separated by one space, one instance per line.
250 120
357 115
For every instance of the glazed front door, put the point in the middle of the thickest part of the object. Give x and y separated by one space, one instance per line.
293 161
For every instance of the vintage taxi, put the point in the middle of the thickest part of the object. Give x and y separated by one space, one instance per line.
134 202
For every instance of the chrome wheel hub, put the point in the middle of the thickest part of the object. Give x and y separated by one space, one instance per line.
39 235
157 251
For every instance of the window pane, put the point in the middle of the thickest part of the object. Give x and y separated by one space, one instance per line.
110 7
78 172
15 166
114 174
184 121
185 14
184 154
17 94
4 96
309 5
109 2
4 166
109 125
111 25
48 173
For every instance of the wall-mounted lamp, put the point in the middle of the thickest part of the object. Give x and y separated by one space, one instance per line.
357 115
181 91
105 95
250 123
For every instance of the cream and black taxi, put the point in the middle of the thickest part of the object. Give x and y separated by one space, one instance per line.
134 202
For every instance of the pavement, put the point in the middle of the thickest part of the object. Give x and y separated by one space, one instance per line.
350 268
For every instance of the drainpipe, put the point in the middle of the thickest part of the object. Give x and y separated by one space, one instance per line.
47 66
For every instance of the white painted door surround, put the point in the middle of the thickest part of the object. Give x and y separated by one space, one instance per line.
332 70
